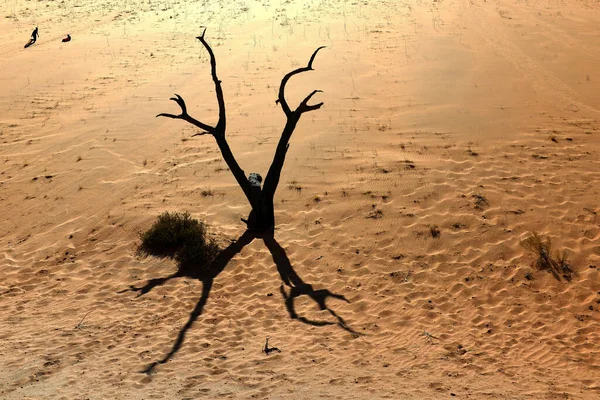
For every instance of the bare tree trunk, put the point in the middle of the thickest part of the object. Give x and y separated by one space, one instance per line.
262 216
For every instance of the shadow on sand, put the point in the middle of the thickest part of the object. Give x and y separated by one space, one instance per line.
296 288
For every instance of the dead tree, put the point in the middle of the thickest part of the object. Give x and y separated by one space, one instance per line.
262 218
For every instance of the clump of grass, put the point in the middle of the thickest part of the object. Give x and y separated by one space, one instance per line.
180 237
480 201
557 264
529 276
435 231
375 212
295 186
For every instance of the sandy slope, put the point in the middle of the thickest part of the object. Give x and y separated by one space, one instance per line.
430 107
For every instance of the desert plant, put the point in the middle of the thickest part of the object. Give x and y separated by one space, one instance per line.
180 237
542 247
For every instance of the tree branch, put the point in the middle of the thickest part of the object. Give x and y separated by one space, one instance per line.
185 116
221 125
272 179
281 99
304 107
217 131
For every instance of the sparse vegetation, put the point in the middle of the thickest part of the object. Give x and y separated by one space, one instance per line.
435 231
529 276
180 237
480 201
557 264
472 152
295 186
375 213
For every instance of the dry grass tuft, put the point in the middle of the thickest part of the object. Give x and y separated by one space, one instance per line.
542 247
480 201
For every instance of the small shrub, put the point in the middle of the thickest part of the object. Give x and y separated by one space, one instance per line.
435 231
542 248
180 237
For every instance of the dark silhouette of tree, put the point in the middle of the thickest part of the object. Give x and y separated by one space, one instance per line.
262 217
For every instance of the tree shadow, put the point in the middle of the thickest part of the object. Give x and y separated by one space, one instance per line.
297 287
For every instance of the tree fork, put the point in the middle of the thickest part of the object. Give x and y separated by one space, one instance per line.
262 217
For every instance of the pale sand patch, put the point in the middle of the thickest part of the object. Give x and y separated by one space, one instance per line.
478 117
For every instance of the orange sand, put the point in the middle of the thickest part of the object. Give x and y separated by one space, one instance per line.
427 103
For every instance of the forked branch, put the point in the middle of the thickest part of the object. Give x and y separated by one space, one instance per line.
217 131
272 179
186 117
303 107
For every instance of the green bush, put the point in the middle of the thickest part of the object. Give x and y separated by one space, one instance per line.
180 237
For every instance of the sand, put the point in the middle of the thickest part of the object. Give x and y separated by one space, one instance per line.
480 118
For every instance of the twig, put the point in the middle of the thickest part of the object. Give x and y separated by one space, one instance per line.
268 350
429 337
78 326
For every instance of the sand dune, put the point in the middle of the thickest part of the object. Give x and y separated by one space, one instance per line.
476 118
